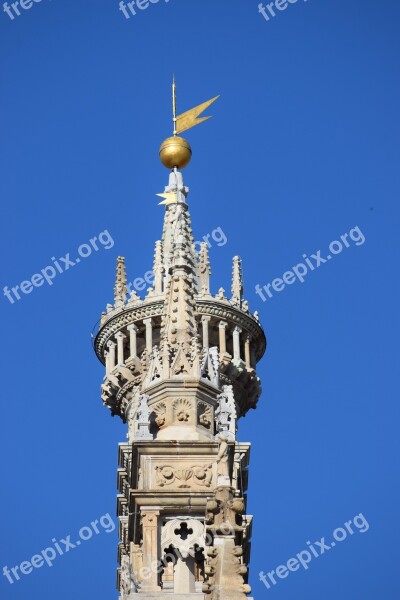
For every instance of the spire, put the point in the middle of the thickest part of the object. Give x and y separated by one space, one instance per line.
180 269
180 371
237 282
120 289
204 270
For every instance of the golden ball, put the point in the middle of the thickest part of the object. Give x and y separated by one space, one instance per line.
175 152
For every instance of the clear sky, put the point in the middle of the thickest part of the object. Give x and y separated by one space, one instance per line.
303 148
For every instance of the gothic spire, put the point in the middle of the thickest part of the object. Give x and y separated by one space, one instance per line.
180 268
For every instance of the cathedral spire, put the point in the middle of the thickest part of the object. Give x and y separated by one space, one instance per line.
180 370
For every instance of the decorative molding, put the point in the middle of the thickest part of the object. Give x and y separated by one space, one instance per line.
127 316
219 310
183 477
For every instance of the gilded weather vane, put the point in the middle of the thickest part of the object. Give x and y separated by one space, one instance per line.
175 152
190 118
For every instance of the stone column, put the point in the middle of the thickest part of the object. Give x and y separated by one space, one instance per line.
149 335
133 340
136 559
184 580
253 356
247 355
120 345
222 337
150 550
205 321
236 343
111 354
107 359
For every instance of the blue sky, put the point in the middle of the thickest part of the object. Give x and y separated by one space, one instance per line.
302 149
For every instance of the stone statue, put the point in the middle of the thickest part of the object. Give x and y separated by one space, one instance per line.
223 477
143 419
226 414
131 416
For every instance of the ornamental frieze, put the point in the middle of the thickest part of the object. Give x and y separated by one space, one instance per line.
185 477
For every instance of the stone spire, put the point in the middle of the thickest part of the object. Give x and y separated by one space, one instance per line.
237 282
180 370
180 270
120 289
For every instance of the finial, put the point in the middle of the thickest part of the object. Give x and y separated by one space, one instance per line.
120 289
204 270
221 294
237 282
175 152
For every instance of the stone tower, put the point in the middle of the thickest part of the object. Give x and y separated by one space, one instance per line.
180 371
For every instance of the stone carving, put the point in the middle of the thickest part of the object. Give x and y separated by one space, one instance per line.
183 534
223 476
155 369
131 417
186 536
123 520
224 512
210 366
125 394
180 363
134 298
225 571
195 350
184 477
124 373
183 409
210 569
237 282
128 583
160 410
143 419
144 359
204 414
120 289
226 414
